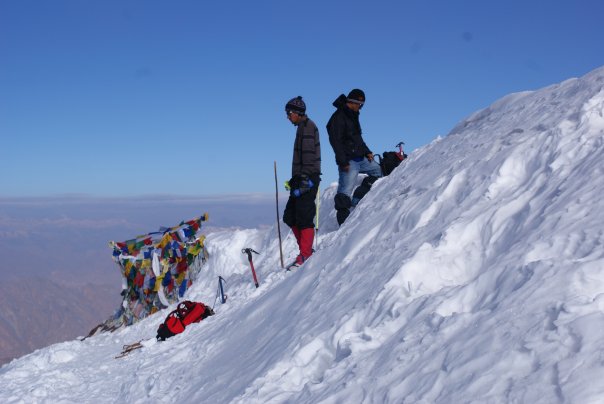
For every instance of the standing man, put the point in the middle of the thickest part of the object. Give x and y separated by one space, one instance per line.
306 174
352 154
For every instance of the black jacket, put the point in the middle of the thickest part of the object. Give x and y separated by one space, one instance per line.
307 150
345 133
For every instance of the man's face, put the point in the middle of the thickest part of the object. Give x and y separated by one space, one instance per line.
293 117
355 105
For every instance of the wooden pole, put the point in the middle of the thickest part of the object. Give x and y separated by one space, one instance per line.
278 220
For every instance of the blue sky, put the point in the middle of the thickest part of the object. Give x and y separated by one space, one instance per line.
124 98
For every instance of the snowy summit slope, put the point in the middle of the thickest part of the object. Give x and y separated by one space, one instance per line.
473 273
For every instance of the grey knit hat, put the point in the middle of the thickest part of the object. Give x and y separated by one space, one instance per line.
296 105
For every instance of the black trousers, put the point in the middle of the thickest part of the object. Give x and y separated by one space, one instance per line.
300 211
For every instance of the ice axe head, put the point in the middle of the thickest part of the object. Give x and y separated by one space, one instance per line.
249 252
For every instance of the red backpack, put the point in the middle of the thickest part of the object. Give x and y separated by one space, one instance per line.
191 312
186 313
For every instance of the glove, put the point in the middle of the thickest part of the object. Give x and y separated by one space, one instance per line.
305 184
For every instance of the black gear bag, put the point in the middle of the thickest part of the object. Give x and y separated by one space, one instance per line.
389 160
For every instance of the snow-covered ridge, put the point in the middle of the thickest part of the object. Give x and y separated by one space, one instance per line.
473 273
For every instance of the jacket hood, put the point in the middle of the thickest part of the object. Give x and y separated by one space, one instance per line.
340 102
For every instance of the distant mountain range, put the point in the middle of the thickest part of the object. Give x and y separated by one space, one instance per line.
37 312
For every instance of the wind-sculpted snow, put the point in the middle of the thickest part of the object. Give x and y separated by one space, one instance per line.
473 273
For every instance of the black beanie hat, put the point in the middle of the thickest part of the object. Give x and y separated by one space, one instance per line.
296 105
356 94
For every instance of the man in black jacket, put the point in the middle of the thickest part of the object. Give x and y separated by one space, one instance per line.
352 154
306 174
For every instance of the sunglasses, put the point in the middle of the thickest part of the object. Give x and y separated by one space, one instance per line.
359 103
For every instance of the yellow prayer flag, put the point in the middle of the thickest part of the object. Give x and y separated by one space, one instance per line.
164 240
158 282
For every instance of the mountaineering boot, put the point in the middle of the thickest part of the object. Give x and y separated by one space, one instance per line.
362 189
342 204
296 263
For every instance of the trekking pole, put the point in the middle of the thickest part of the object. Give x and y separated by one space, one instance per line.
318 203
249 252
278 220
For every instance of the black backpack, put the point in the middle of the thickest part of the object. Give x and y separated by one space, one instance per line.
389 160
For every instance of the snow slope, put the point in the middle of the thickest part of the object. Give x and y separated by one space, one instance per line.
473 273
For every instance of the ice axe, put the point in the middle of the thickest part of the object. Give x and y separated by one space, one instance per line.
400 147
220 292
249 252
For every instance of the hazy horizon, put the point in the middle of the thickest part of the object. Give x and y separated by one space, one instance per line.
66 237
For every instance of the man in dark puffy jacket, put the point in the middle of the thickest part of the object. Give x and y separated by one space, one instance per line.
306 174
352 154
